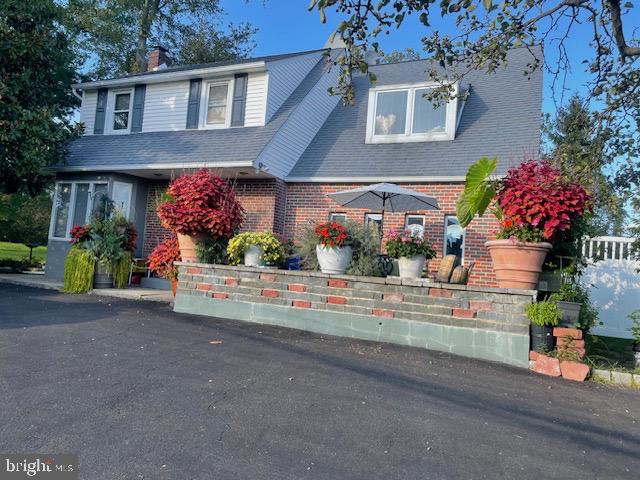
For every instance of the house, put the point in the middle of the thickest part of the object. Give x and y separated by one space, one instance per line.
269 125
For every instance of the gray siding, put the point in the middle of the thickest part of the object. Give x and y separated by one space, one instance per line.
285 76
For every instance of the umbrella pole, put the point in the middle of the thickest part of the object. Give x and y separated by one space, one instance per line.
381 233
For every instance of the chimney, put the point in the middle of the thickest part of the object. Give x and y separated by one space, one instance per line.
158 58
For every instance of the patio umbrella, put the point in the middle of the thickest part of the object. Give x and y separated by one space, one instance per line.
385 197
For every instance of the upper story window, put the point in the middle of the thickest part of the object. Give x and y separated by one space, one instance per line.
121 110
401 113
216 111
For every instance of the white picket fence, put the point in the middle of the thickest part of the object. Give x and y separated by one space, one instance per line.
614 281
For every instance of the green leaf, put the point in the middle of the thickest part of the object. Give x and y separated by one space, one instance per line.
478 192
487 4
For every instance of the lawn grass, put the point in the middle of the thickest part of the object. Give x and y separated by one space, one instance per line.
18 251
610 352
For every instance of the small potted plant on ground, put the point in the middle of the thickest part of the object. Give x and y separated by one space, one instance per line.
635 334
255 249
567 301
199 206
161 261
533 203
333 247
411 250
543 317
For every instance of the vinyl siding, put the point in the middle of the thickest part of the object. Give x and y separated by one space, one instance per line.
165 106
88 110
285 76
256 99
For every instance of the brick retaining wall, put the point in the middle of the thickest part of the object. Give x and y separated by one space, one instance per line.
480 322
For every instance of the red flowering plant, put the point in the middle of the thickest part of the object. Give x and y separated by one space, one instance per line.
332 234
162 258
79 234
201 203
533 202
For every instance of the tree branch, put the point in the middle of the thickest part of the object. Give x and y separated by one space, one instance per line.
618 32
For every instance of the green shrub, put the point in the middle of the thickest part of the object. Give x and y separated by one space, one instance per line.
543 313
213 250
121 269
78 271
635 325
267 241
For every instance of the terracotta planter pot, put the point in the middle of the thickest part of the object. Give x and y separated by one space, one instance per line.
517 264
174 286
187 244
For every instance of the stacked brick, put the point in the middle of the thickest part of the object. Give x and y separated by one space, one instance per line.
570 348
457 305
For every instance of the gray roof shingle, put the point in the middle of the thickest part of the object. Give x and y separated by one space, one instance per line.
501 118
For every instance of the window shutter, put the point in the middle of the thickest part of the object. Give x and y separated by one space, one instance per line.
101 111
193 106
239 100
138 108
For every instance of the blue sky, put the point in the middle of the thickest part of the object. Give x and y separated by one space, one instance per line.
286 26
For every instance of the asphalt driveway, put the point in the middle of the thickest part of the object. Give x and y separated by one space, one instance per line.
140 392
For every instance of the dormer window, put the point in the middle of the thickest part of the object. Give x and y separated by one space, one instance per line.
121 110
401 113
216 111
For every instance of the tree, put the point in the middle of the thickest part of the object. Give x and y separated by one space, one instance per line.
113 36
396 56
36 70
483 35
25 219
574 145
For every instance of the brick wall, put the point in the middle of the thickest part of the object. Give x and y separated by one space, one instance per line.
309 202
480 322
283 208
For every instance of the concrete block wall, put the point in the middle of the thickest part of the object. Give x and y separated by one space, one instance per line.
480 322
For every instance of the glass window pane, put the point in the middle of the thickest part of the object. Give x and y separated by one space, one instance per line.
338 217
218 95
122 101
391 113
121 196
99 190
426 119
80 206
454 237
120 121
216 115
63 197
415 223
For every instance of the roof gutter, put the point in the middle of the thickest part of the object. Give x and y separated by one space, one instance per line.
161 77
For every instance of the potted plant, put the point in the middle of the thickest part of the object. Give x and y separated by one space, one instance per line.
635 334
255 249
161 261
333 247
198 206
534 202
411 250
567 299
543 317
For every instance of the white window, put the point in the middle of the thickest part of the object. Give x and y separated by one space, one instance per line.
453 237
73 204
216 104
402 114
338 217
121 196
120 106
373 218
415 223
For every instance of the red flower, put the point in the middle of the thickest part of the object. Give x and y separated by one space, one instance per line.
162 257
332 234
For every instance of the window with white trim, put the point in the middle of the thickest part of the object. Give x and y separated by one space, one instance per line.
73 204
121 111
338 218
373 218
401 113
216 104
453 237
415 223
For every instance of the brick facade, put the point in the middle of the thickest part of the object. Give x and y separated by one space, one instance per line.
286 208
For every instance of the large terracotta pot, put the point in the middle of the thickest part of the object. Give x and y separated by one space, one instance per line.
334 259
517 264
187 244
